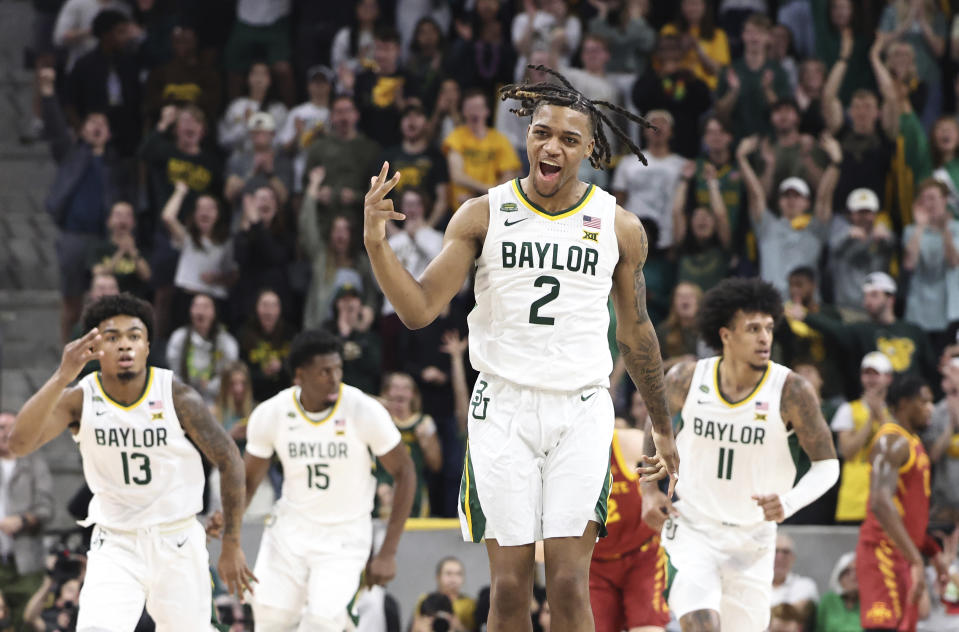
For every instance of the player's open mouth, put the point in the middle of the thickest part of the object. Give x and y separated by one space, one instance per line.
549 170
125 360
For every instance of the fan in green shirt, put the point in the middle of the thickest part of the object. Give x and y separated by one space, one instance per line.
906 344
838 609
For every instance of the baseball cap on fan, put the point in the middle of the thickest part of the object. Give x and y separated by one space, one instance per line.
321 72
880 281
862 199
261 122
877 361
794 184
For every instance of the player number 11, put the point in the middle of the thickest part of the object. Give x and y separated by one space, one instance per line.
725 463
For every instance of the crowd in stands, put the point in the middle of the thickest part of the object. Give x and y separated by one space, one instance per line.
212 157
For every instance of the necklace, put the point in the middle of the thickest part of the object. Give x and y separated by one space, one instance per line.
486 70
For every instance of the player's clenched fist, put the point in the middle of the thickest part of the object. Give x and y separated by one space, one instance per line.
377 209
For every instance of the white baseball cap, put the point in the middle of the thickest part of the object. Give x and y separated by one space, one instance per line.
794 184
879 281
862 200
877 361
261 122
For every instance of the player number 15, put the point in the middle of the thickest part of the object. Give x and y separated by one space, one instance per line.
316 476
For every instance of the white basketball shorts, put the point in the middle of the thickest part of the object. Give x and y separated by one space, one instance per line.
537 462
715 566
166 567
309 573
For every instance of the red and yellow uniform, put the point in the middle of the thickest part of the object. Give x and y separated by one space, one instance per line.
882 569
627 575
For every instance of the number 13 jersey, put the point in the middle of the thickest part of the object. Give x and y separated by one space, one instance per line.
137 460
327 457
542 285
729 451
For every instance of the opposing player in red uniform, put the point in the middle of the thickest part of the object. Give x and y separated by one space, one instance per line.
893 539
627 575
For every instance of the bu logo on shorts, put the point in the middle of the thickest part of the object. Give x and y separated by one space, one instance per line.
479 400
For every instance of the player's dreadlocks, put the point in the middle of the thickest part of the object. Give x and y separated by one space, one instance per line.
531 96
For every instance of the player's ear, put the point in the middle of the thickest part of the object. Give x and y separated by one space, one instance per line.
724 334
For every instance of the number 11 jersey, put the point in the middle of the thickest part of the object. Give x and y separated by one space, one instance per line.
729 451
542 285
327 457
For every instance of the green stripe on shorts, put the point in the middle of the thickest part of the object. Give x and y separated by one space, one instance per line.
469 501
351 607
670 575
601 510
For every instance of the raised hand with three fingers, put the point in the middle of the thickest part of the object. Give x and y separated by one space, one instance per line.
77 353
377 208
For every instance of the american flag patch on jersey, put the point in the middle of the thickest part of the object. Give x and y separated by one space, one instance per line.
592 222
156 405
340 426
762 406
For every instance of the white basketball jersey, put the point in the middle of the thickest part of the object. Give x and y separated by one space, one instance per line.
730 451
327 457
542 285
137 460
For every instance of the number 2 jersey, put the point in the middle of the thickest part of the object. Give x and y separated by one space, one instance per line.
327 457
137 460
542 284
729 451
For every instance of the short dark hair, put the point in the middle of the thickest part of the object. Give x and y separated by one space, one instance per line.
474 92
311 343
721 303
904 387
106 21
124 304
386 33
759 20
342 97
785 102
803 271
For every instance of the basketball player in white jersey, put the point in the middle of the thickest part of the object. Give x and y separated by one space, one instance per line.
318 539
547 249
136 424
742 423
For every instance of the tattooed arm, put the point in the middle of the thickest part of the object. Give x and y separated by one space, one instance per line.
637 340
800 409
211 439
656 506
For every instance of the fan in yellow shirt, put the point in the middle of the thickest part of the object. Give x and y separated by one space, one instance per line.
707 49
479 157
450 575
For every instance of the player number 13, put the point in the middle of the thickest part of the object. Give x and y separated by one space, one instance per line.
141 477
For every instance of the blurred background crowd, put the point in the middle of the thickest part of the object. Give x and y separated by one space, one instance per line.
212 157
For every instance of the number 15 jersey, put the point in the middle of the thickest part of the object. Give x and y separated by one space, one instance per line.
542 285
327 457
